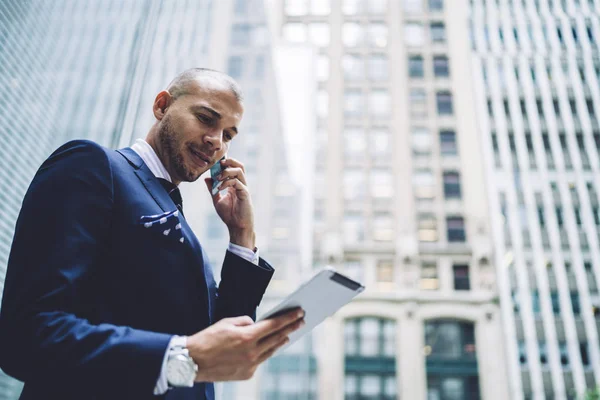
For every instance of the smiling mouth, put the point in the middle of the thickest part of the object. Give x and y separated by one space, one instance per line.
201 159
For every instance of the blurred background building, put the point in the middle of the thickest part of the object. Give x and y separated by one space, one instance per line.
400 201
443 152
536 70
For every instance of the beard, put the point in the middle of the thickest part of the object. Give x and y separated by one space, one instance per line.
170 142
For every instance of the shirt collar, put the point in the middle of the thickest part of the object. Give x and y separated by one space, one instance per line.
147 153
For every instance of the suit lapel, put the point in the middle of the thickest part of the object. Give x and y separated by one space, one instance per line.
160 195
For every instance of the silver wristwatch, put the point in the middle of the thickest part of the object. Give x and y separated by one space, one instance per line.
181 368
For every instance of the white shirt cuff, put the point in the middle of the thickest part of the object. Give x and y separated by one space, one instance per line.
162 385
244 252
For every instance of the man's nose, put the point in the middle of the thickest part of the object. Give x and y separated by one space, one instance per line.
215 138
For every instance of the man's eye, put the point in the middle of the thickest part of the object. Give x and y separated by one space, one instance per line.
204 119
228 136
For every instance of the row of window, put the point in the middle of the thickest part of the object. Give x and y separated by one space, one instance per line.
548 69
419 104
542 215
418 6
374 34
556 108
549 150
430 277
296 8
354 34
428 231
563 350
422 142
560 35
524 4
416 66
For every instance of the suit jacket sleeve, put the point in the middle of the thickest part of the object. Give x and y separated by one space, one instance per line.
242 286
59 239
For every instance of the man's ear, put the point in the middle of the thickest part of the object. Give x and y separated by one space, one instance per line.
161 103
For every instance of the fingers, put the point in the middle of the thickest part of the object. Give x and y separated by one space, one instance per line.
244 320
269 326
269 342
240 188
232 163
266 355
231 173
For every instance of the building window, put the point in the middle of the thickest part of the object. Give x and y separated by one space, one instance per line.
575 303
355 7
377 67
421 141
448 143
444 103
438 32
585 355
522 353
385 271
355 180
381 181
427 225
413 6
293 8
320 7
414 34
319 34
379 103
565 150
235 67
241 35
353 34
379 145
418 103
543 353
452 185
383 230
415 67
322 68
564 354
424 183
354 269
456 229
355 146
377 35
451 341
440 66
461 277
429 276
436 5
295 32
354 228
353 66
370 371
354 103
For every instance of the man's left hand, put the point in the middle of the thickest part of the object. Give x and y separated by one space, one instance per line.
233 203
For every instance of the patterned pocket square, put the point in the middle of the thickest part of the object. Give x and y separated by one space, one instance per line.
167 224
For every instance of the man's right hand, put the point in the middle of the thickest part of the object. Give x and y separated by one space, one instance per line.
233 348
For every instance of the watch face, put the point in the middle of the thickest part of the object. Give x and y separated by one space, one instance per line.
180 372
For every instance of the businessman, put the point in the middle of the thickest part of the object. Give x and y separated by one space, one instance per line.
108 293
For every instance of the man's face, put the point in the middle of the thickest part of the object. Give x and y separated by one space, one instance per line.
197 129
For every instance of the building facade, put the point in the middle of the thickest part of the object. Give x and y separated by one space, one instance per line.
536 70
400 203
82 70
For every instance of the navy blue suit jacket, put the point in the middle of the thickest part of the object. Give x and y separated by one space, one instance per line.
91 298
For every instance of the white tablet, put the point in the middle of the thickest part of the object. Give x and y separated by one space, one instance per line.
320 297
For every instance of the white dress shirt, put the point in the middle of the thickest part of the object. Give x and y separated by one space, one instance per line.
148 155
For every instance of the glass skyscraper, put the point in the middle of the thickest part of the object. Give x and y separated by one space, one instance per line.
536 68
74 69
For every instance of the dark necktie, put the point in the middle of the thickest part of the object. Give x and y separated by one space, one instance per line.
173 192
